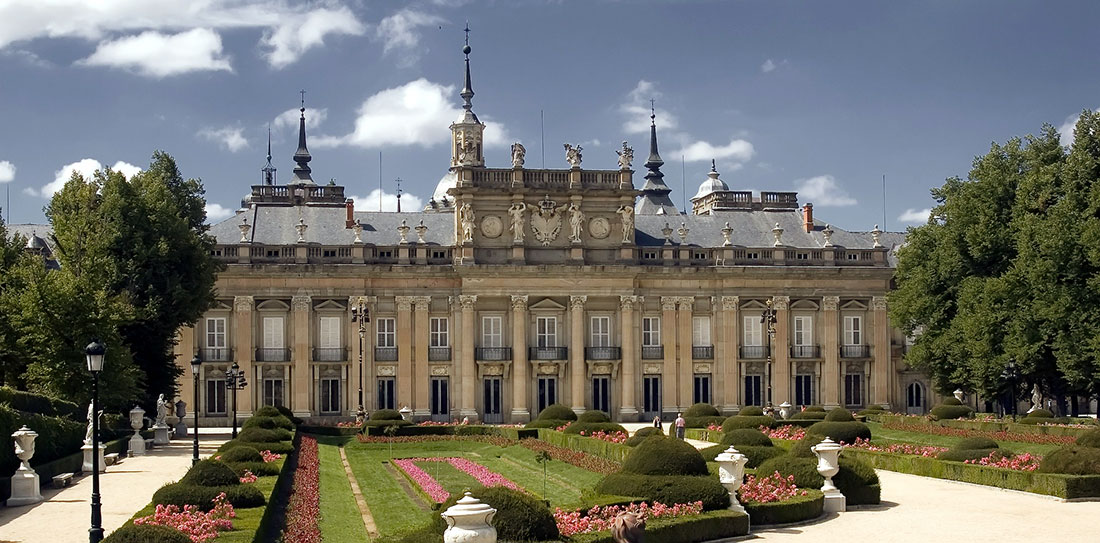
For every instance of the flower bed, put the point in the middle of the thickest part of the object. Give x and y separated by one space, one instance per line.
610 437
768 489
435 492
305 501
248 477
600 518
569 456
269 456
806 506
998 435
483 475
495 440
191 521
900 448
786 432
615 452
1019 462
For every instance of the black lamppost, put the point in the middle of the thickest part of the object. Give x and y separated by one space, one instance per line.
234 380
196 366
769 320
1011 374
94 353
361 314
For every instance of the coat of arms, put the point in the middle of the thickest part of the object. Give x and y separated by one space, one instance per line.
546 221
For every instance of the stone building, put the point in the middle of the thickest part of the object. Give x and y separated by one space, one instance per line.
516 288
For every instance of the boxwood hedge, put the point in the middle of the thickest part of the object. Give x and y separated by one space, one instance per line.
594 416
755 455
592 427
667 488
281 447
264 435
520 516
241 496
1073 460
796 509
146 533
701 410
241 453
660 455
557 411
747 421
269 423
1090 439
846 432
211 473
709 526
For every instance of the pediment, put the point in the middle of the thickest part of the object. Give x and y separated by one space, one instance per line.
222 305
805 305
273 305
754 304
854 305
546 304
329 305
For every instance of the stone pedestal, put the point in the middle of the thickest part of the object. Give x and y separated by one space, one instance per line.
24 488
828 464
137 445
180 430
86 467
160 434
835 502
137 421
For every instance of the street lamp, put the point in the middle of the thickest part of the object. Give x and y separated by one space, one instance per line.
196 366
1011 374
361 315
234 380
768 319
94 353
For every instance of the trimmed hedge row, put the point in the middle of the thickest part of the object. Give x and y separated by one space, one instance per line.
41 404
144 533
57 437
616 452
1013 427
707 526
796 509
181 494
667 488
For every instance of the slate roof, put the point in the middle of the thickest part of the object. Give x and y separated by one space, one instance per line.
274 225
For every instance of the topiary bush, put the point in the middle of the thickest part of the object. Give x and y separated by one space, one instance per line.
1089 439
855 479
211 473
641 434
846 432
259 469
264 435
146 533
946 411
275 411
839 415
557 411
520 516
962 455
747 421
667 489
594 416
374 427
809 415
241 453
756 455
664 456
951 400
703 422
181 494
281 447
590 428
385 414
701 410
976 443
1073 460
815 408
1040 414
751 411
746 436
546 423
269 423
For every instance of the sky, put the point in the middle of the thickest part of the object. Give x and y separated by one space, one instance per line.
823 98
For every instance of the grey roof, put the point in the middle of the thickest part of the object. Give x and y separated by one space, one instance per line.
42 231
275 225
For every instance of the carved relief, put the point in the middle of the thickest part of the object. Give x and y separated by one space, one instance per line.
548 369
668 303
628 302
546 220
878 303
729 303
599 227
686 303
831 302
516 213
300 303
576 222
702 368
577 302
404 303
651 369
387 371
466 221
242 304
627 214
781 302
468 301
519 302
422 302
492 226
441 370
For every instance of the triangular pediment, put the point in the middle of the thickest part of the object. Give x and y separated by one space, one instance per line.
804 304
329 305
222 305
546 304
853 305
273 305
754 304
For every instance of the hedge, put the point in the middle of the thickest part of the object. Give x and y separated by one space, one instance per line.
146 533
847 432
641 434
276 410
855 479
594 416
1002 426
269 423
1073 460
747 421
181 494
809 415
263 435
259 469
57 437
280 447
593 427
796 509
547 423
1089 439
1040 414
708 526
520 516
557 412
241 453
660 455
668 489
755 455
948 411
616 452
70 463
41 404
386 414
703 422
746 436
701 410
329 430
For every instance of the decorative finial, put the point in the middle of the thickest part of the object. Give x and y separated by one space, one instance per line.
652 112
302 156
268 171
712 167
778 233
467 89
303 108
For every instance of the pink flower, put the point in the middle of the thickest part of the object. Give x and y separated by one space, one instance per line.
600 518
785 432
270 456
248 477
771 488
192 522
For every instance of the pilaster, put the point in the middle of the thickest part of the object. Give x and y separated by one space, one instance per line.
244 349
300 375
185 350
421 372
576 351
781 351
830 373
686 305
520 412
628 411
469 367
883 364
404 351
727 353
668 367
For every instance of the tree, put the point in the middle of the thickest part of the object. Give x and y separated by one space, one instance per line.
1008 269
12 364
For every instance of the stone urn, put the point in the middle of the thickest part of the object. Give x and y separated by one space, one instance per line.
958 394
731 472
181 426
24 482
137 420
406 413
468 522
828 464
785 410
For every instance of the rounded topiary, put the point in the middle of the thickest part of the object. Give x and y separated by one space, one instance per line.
1089 439
594 416
701 410
1040 414
815 408
241 453
665 456
275 411
846 432
386 414
747 421
975 443
947 411
557 411
145 533
751 411
839 415
756 455
855 479
809 415
746 436
951 400
1072 460
264 435
211 473
259 469
962 455
269 423
280 447
641 434
181 494
520 516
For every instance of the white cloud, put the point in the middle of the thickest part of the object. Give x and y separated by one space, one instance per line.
409 202
737 149
416 113
915 216
215 212
7 171
637 109
1065 132
230 137
823 191
289 118
767 66
399 35
85 167
153 54
296 35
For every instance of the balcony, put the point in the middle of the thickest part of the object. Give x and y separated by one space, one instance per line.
603 353
548 353
653 352
385 354
330 354
805 351
439 354
702 352
493 354
216 354
855 351
268 354
754 351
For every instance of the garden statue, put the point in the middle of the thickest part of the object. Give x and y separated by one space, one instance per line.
162 411
576 221
160 427
24 482
828 464
628 528
518 153
626 156
573 155
627 213
466 221
516 213
1036 398
468 521
88 433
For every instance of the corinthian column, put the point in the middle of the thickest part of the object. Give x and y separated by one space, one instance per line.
520 412
628 412
301 380
469 367
244 350
576 352
883 369
830 373
404 351
420 371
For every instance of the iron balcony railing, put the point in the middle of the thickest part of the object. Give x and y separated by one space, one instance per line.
702 352
754 351
330 354
805 351
492 354
267 354
855 351
603 353
385 354
653 352
548 353
216 354
438 354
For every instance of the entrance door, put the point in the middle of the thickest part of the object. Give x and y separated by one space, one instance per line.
492 401
651 396
803 390
441 399
601 393
701 390
752 390
548 392
914 399
386 398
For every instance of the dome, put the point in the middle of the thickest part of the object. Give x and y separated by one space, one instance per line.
711 184
36 243
448 181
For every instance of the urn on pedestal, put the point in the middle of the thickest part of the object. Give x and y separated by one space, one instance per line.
785 410
24 482
828 464
137 443
731 472
468 521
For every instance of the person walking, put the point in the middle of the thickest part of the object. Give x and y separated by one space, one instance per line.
680 424
657 422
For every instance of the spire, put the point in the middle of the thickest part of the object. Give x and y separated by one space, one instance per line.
467 89
268 170
301 156
655 192
654 162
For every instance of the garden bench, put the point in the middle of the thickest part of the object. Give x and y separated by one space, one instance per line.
111 459
148 444
62 480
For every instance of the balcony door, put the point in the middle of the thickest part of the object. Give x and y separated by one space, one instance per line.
273 343
440 399
547 391
601 393
492 400
651 396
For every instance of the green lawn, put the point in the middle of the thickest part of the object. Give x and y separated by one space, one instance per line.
886 436
340 517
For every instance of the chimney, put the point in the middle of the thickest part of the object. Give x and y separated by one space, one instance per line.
349 204
808 217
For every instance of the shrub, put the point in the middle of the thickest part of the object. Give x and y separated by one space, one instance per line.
802 447
635 440
839 415
375 427
664 456
874 409
795 509
594 416
557 412
751 411
269 423
649 431
591 427
855 479
57 437
181 494
30 402
667 489
962 455
847 432
746 436
951 400
1089 439
386 414
211 473
281 447
947 412
520 516
241 453
1040 414
146 533
747 421
701 410
976 443
815 408
756 455
264 435
546 423
1072 460
259 469
809 415
703 422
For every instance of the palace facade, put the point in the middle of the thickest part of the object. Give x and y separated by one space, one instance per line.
517 288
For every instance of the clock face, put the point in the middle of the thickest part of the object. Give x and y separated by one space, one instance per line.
599 227
492 226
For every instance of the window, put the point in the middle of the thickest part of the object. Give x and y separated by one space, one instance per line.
702 388
853 389
215 333
803 390
439 332
387 332
752 390
273 332
215 397
802 256
438 255
330 395
803 331
754 334
547 391
651 331
752 255
853 330
700 332
547 332
649 255
699 255
273 391
600 332
385 254
386 398
491 331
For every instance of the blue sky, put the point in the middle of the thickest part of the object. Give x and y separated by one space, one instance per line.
819 97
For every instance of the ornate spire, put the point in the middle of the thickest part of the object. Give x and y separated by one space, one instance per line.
655 192
301 156
268 169
467 89
467 131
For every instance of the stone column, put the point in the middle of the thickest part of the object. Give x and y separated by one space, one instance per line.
684 339
727 358
300 374
185 350
628 411
830 372
404 351
469 366
243 350
883 365
421 372
576 352
781 351
520 413
668 366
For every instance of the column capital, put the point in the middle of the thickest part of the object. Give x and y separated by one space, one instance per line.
519 302
685 303
577 302
830 303
404 303
243 304
629 302
301 303
878 303
422 303
781 303
467 301
365 300
668 303
729 303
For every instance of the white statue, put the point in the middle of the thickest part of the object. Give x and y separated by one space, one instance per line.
516 212
626 156
88 433
546 220
518 152
466 221
627 213
1036 398
576 222
162 410
573 155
